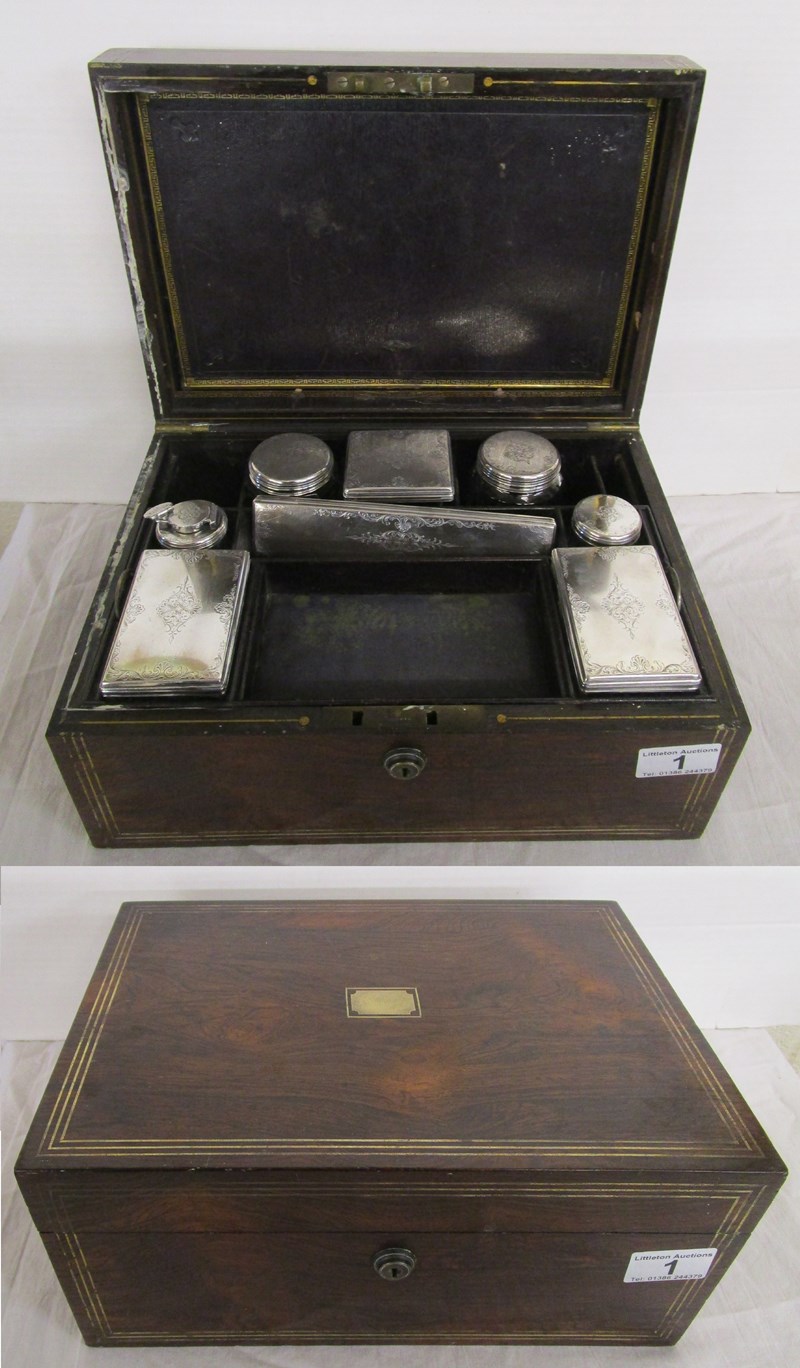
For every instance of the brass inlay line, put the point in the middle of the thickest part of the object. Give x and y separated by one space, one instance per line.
79 1064
482 832
493 384
71 743
69 1255
700 1067
94 781
55 1136
89 1296
729 1228
92 788
265 1187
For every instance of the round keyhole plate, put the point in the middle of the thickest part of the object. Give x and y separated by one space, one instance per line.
394 1263
404 762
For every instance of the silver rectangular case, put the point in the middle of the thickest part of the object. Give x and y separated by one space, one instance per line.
178 627
400 467
623 626
319 529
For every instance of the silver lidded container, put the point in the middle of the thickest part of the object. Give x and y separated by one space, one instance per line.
291 465
407 467
192 524
606 520
518 467
177 631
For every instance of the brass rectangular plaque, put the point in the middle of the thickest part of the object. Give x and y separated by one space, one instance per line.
383 1002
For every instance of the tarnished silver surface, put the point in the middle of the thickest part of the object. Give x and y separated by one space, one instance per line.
623 627
401 467
291 463
519 463
194 523
326 530
178 627
606 520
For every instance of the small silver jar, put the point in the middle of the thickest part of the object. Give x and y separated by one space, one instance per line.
606 520
192 523
291 465
517 467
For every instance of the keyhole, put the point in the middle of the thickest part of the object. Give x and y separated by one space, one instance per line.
404 763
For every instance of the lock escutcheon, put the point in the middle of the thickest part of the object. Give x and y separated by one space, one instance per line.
394 1263
404 762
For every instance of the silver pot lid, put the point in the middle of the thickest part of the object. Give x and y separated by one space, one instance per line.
519 462
291 463
191 523
606 520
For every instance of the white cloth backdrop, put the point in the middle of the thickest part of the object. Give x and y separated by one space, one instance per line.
744 550
752 1320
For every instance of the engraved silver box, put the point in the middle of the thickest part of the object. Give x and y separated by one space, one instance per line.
400 467
623 627
178 627
319 529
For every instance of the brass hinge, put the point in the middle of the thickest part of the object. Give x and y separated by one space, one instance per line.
423 83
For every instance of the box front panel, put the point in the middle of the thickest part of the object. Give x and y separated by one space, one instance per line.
284 1288
512 781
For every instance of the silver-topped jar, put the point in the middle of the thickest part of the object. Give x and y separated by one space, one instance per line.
194 523
606 520
517 467
291 465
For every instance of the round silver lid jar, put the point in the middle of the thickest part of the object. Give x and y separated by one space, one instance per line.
194 522
519 463
291 464
606 520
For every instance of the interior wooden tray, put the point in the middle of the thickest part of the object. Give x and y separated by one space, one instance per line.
353 634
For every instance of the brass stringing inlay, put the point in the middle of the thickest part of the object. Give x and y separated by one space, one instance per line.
55 1139
742 1204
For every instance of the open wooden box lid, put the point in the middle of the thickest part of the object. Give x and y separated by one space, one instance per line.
373 239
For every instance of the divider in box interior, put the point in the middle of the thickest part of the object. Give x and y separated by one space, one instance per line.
349 634
446 632
215 468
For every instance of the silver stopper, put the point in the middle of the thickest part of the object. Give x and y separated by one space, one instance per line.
606 520
193 522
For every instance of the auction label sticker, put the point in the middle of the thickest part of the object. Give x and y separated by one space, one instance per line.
657 762
669 1265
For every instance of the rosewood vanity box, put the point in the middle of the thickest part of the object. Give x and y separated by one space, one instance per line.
325 246
388 1122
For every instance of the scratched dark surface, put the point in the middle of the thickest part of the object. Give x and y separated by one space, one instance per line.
389 240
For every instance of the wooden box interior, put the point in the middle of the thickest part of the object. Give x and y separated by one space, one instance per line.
355 635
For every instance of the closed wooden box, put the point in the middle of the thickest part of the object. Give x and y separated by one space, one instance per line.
323 245
257 1101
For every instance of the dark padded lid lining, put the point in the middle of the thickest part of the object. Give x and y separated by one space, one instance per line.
381 240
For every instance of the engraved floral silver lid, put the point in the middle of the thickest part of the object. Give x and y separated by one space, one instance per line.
192 523
519 462
291 463
606 520
391 466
